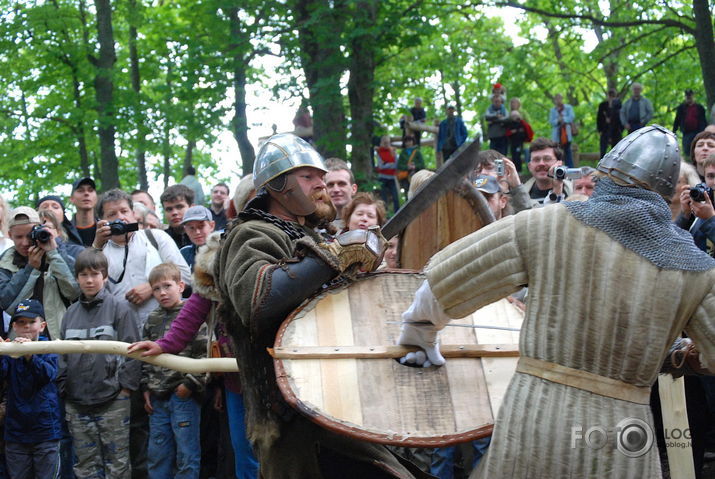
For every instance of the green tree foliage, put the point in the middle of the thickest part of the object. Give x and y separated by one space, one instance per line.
180 71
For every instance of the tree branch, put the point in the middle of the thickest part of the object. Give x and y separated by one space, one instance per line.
590 18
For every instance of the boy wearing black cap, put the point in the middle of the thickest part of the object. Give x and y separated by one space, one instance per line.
32 422
84 198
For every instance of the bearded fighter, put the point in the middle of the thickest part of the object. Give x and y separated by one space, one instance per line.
270 261
611 284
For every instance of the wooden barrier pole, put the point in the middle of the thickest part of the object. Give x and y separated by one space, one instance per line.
171 361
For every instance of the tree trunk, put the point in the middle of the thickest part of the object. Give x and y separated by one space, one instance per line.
189 157
240 120
166 151
104 92
706 46
319 27
457 97
361 89
559 56
166 141
140 149
609 63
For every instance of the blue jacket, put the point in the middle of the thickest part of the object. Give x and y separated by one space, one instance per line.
33 409
460 133
701 230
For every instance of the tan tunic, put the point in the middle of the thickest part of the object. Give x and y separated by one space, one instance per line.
593 305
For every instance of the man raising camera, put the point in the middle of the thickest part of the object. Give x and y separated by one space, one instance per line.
696 209
132 254
35 268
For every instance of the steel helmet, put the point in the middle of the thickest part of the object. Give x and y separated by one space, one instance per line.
648 157
282 153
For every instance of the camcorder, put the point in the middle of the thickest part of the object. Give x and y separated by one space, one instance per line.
698 192
564 173
119 227
39 234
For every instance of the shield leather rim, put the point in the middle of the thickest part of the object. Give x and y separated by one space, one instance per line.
348 429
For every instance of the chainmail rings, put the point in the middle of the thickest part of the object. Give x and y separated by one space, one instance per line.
640 220
288 228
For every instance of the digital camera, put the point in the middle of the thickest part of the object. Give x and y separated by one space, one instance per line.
563 173
698 192
119 227
39 234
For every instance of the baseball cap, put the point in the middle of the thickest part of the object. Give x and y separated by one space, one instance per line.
487 184
31 216
28 308
197 213
83 181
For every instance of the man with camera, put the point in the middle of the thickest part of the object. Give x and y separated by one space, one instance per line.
131 253
543 188
35 268
696 209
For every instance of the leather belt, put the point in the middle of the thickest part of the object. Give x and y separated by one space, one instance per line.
576 378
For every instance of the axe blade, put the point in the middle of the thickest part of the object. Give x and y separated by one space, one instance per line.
450 173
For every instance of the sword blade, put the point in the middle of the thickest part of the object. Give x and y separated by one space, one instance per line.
454 169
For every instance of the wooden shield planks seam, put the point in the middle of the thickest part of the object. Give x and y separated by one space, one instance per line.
380 399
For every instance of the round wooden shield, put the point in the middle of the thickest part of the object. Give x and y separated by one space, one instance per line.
335 364
458 213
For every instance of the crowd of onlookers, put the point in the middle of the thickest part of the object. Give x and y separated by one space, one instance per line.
113 271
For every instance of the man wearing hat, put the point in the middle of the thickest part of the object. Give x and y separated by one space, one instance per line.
56 206
84 199
198 225
690 119
36 269
489 187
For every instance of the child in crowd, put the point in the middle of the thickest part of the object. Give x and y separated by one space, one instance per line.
33 424
171 398
364 211
198 225
98 386
200 308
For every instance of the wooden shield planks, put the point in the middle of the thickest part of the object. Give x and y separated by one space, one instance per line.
453 216
382 400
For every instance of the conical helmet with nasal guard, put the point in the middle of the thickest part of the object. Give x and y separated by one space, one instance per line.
648 158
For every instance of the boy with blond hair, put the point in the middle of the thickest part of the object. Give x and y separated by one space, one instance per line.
172 398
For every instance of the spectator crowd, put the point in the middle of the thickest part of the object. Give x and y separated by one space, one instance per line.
113 271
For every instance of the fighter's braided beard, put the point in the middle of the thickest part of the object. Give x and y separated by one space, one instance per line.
324 213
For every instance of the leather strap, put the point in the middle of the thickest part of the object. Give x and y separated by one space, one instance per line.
576 378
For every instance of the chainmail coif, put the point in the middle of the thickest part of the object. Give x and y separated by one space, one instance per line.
640 220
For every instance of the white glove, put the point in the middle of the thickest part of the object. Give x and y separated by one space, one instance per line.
422 322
